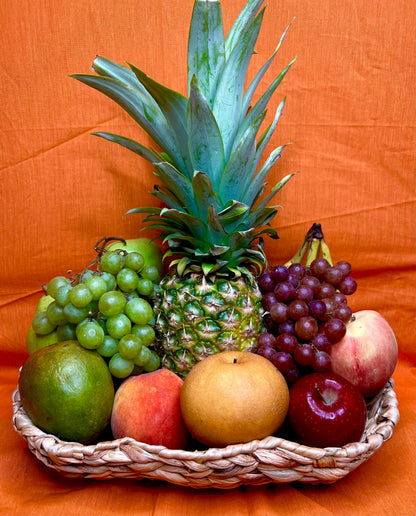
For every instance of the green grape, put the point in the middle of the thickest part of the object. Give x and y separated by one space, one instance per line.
110 279
112 262
145 287
139 310
108 347
129 346
153 363
97 286
55 283
62 295
145 332
111 303
74 314
143 357
134 261
80 295
41 324
55 314
150 272
90 334
66 332
127 280
120 367
85 276
118 325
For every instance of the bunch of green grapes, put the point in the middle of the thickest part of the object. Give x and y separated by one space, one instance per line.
107 308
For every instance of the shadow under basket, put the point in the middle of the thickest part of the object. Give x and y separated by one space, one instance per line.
269 460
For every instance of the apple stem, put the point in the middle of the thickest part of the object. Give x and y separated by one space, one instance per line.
321 395
234 361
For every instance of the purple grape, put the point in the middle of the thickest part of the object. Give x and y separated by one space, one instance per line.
287 327
325 290
279 312
304 293
344 267
283 361
267 339
292 376
266 282
297 269
304 354
343 312
267 352
270 325
268 300
321 362
284 291
297 309
279 273
286 342
339 298
347 286
321 342
293 280
319 266
317 308
333 276
334 329
330 306
306 327
312 282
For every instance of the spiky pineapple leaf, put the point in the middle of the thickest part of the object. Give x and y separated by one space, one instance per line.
174 107
206 55
130 144
234 211
204 138
178 184
194 225
230 89
278 186
108 68
204 194
142 108
259 76
240 25
261 104
252 189
215 227
239 165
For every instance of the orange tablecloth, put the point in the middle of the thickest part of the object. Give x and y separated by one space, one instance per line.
350 116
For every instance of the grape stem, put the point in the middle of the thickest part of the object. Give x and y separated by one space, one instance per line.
313 243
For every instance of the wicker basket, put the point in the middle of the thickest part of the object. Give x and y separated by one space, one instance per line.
270 460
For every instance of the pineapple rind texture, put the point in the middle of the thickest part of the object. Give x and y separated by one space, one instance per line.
196 316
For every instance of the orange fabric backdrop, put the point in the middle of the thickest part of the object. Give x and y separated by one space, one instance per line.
350 116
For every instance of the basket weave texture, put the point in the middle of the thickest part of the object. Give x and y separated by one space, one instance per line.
270 460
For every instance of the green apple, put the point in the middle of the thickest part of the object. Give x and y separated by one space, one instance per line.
35 342
149 249
43 303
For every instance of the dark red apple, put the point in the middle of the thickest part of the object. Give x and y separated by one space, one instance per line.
326 410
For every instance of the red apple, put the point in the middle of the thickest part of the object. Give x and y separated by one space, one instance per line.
367 354
325 410
147 408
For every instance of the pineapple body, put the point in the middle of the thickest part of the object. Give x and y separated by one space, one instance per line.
198 316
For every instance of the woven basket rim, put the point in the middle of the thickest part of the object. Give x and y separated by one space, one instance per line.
272 459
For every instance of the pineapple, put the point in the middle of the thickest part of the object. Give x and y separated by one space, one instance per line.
214 205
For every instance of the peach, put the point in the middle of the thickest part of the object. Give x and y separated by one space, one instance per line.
147 408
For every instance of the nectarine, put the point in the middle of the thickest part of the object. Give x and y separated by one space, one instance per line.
147 408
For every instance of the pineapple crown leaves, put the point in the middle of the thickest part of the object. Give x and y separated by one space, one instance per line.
210 144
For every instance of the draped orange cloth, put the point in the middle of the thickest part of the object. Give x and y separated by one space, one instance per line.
350 119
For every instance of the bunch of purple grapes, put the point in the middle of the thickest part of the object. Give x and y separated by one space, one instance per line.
306 312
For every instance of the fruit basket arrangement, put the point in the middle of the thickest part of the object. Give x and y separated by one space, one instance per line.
123 319
270 460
